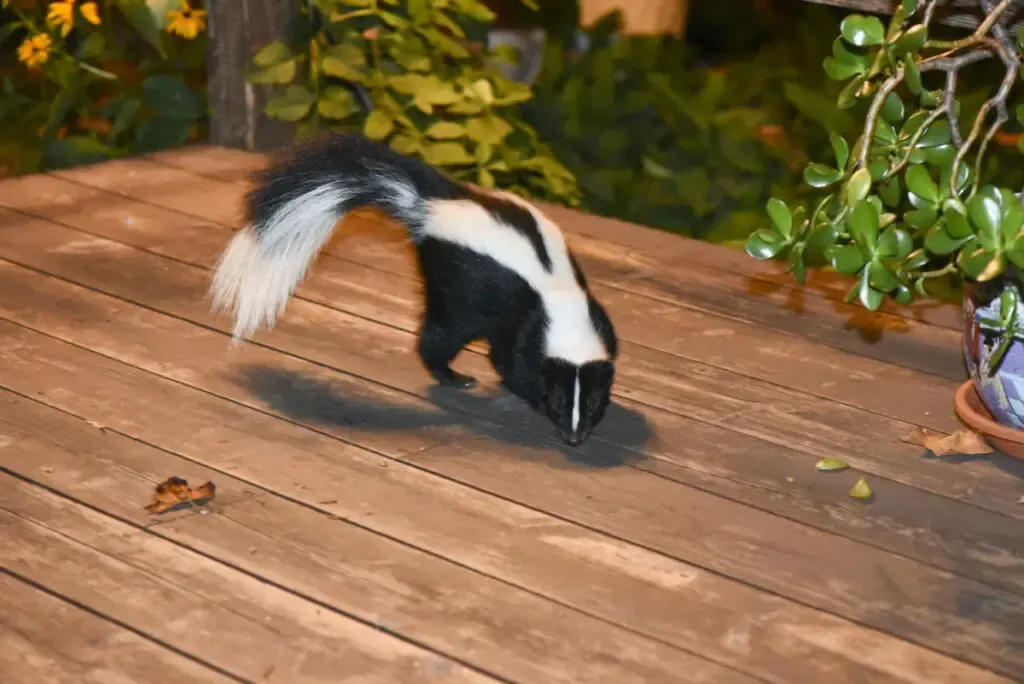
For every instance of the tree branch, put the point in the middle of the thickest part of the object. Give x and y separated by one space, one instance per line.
948 104
956 55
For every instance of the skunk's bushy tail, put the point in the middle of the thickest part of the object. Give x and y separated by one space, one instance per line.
294 208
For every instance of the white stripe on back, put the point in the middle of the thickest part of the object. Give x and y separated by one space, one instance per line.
571 335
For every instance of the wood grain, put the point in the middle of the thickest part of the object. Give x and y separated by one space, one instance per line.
46 639
882 336
620 499
218 614
712 340
488 461
511 632
676 601
759 410
907 521
948 534
673 601
670 251
237 30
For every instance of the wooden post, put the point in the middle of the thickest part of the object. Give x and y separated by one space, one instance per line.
237 30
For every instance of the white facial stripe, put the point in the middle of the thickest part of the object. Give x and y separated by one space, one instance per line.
576 403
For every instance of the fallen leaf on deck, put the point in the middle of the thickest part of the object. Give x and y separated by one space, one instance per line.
861 490
960 442
831 464
175 490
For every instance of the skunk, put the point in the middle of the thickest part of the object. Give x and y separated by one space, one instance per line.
494 268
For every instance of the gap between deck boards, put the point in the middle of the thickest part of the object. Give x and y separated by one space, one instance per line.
230 165
583 581
925 347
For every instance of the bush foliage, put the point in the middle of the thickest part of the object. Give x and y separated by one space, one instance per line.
415 74
656 140
99 79
916 198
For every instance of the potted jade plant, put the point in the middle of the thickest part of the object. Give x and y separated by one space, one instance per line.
913 203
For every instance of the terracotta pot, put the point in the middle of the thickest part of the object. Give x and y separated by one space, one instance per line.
641 17
972 411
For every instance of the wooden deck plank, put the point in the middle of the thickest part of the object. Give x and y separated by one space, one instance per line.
220 615
705 338
776 639
515 634
924 347
231 165
963 540
759 410
713 340
680 385
46 639
737 535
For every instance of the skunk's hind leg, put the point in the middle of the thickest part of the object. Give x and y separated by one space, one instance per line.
441 340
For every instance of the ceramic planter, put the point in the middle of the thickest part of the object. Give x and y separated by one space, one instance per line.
992 403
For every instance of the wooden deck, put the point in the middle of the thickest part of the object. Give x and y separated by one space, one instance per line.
370 528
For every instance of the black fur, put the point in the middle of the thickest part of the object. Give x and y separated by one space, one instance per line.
306 165
469 296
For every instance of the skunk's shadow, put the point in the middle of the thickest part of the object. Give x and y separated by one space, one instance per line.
351 405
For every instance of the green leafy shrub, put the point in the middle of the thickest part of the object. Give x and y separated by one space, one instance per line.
655 140
97 80
917 203
416 75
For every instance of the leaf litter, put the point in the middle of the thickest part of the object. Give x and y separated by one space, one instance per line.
830 464
965 442
174 491
861 490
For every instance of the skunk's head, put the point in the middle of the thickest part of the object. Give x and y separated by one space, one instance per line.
575 397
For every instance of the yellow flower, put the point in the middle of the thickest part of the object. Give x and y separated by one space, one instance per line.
91 13
62 13
188 22
35 50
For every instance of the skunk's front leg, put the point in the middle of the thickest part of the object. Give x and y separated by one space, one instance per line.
441 340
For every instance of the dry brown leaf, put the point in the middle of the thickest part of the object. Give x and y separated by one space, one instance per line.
960 442
175 490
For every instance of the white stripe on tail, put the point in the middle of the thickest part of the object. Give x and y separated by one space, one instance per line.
257 273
